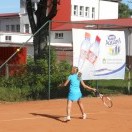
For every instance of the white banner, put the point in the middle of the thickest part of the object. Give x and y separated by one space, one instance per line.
99 54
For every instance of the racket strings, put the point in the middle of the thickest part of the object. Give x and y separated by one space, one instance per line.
107 101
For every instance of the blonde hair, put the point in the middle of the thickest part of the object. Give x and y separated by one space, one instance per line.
77 71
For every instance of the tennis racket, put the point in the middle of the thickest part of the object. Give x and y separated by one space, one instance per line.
105 99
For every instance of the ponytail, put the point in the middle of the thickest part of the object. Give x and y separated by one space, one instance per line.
79 74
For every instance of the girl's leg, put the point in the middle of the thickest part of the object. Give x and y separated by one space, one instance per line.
81 108
68 110
69 105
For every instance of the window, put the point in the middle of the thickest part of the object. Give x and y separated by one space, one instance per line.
75 10
13 28
18 28
81 11
26 28
93 12
87 11
8 38
58 35
7 28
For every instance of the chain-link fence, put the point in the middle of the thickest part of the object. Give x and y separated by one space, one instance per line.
29 82
41 81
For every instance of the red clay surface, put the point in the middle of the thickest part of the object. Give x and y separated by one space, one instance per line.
47 116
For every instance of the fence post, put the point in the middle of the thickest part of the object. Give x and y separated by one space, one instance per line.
129 82
49 61
97 84
7 71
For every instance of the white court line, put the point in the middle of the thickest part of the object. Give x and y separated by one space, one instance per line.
19 119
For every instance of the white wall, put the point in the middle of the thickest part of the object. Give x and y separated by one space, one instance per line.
16 37
108 10
65 41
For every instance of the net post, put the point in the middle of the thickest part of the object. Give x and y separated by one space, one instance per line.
49 61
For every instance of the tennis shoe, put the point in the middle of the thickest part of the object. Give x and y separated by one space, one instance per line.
68 118
84 116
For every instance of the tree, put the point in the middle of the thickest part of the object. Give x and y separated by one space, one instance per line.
46 10
124 11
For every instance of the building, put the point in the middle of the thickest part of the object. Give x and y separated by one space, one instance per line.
74 10
16 25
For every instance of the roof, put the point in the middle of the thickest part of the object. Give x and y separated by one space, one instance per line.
9 15
94 24
112 0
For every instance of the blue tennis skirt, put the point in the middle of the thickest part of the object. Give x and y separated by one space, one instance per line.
74 96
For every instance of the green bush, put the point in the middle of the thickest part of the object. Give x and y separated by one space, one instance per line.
33 83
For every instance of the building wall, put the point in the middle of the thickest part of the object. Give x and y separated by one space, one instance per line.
65 40
24 20
24 16
103 9
84 3
64 11
9 21
64 53
108 10
15 38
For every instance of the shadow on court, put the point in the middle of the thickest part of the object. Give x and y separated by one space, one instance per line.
55 117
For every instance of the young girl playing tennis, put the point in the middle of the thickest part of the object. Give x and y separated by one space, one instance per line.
74 92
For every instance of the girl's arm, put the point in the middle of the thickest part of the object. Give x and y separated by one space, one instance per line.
64 84
87 87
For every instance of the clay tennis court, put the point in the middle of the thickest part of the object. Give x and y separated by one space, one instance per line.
47 116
